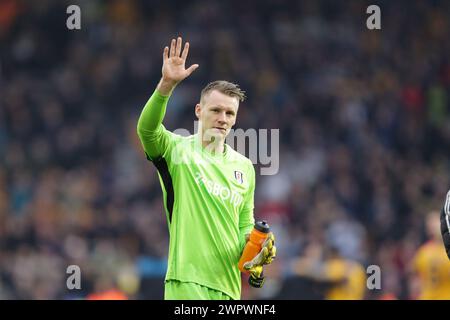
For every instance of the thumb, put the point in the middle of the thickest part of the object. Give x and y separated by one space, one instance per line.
191 69
248 265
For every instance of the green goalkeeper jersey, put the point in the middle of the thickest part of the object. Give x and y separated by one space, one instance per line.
208 199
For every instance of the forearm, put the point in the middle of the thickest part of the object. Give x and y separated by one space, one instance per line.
155 108
153 113
246 216
243 231
150 122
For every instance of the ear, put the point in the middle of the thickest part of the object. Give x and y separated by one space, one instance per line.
198 110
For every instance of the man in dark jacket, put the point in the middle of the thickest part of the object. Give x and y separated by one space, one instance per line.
445 223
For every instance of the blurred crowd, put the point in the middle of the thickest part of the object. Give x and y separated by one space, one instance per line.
363 116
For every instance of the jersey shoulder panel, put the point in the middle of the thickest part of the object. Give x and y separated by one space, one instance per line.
235 156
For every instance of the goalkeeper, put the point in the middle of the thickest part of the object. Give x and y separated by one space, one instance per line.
208 188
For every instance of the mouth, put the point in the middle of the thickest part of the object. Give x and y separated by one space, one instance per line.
220 129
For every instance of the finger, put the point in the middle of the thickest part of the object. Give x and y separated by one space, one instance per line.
268 239
274 252
272 255
165 54
185 51
178 48
272 239
249 266
192 69
172 48
268 243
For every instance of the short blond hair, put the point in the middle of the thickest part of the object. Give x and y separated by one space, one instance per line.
225 87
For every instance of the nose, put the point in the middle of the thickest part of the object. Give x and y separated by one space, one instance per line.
222 118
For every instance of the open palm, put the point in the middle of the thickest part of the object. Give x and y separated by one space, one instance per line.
174 61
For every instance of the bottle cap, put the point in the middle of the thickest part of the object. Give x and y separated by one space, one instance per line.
262 226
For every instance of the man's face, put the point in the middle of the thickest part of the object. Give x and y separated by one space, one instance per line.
217 113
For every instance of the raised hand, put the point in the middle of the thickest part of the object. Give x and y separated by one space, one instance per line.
174 60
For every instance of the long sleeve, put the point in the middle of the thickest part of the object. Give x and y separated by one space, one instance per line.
150 129
445 224
246 217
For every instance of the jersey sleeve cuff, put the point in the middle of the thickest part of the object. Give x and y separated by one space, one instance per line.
160 97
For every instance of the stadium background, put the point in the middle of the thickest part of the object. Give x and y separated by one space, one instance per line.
363 118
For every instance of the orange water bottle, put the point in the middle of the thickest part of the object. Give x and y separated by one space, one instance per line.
254 245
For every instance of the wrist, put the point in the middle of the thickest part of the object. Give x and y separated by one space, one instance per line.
256 282
165 86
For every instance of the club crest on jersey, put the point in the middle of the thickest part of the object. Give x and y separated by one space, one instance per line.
239 176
